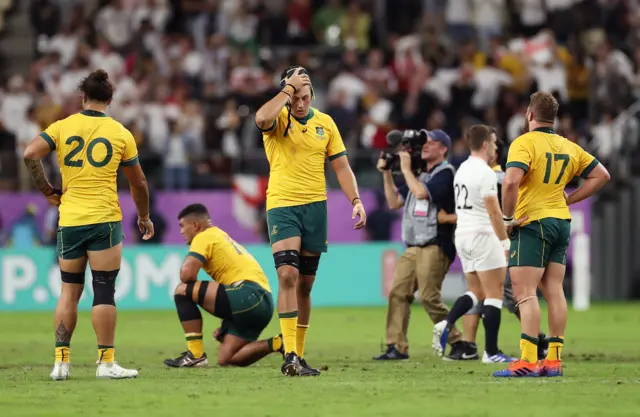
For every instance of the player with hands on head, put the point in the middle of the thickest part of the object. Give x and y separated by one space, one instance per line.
298 139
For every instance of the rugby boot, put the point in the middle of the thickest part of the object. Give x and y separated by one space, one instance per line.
291 365
519 369
306 370
550 368
187 360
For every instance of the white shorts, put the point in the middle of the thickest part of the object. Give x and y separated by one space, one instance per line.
480 251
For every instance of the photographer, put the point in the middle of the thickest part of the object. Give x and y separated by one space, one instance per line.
430 249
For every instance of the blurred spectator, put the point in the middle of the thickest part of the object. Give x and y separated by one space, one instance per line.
27 131
50 226
380 220
24 233
324 22
104 57
15 104
115 23
179 147
190 74
354 27
45 19
299 26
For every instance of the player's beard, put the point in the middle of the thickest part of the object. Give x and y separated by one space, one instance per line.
526 125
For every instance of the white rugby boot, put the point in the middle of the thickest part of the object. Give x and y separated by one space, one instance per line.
60 371
111 370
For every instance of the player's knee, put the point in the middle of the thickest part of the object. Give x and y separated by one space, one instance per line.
495 291
287 277
227 360
224 361
181 289
104 287
304 286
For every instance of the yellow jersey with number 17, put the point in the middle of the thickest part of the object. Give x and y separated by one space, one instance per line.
297 160
90 147
550 162
225 260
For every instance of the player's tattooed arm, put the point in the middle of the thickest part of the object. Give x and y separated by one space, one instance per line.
36 170
62 334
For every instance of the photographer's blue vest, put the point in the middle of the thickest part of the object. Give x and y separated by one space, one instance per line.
420 217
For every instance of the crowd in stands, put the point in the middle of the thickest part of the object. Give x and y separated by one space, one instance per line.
190 74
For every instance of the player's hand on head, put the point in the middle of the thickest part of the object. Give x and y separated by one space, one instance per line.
358 211
298 80
145 225
405 160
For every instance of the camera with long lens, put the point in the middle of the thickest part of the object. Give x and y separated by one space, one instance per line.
409 140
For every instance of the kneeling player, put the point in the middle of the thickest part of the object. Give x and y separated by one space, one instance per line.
240 295
481 242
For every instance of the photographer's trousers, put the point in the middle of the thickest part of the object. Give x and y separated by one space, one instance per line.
419 269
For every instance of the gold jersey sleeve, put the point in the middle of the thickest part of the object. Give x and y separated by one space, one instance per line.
90 147
550 162
297 160
225 260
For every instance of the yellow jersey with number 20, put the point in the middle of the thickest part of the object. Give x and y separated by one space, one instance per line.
90 147
225 260
550 162
297 160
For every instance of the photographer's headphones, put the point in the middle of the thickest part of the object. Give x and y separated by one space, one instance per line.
288 72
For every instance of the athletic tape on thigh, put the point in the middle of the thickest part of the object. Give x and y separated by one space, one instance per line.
287 257
222 309
309 265
72 277
526 299
188 290
202 291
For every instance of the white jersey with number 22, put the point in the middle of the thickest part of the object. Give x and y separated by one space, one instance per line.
474 181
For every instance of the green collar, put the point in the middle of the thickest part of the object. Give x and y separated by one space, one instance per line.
545 130
305 119
93 113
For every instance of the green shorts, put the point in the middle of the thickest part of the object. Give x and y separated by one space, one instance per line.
252 309
75 241
309 221
540 242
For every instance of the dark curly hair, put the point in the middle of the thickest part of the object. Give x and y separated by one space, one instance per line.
97 87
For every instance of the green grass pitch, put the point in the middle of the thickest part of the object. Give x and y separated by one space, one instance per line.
602 372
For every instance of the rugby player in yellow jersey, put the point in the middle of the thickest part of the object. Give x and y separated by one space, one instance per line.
297 140
90 147
239 294
539 166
